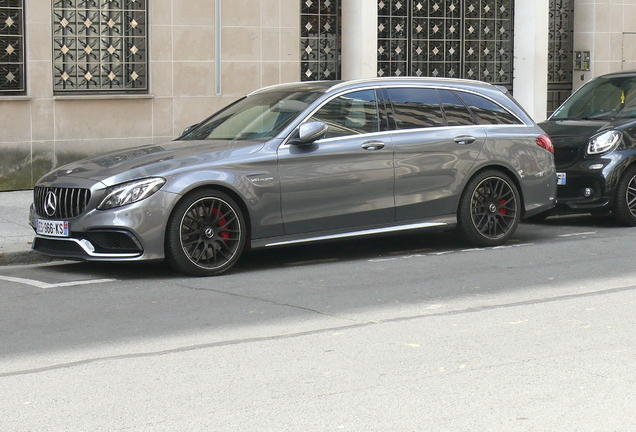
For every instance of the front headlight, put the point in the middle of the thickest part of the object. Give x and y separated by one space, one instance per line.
128 193
604 142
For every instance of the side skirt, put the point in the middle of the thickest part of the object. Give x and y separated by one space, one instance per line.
296 239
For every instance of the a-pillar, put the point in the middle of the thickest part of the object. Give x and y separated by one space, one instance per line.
359 39
530 83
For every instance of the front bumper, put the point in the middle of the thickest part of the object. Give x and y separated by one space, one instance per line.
590 185
129 233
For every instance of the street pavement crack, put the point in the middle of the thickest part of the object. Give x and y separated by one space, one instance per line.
356 325
272 302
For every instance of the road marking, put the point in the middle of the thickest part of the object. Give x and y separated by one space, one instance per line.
44 285
423 255
577 234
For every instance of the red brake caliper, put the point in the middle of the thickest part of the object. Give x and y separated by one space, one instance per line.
502 210
221 223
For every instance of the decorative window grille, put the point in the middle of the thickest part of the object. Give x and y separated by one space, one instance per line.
12 71
320 40
100 46
448 38
560 52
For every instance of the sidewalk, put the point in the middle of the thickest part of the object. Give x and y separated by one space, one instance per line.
16 234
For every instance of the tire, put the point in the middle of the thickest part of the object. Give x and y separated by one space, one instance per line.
489 209
205 235
625 200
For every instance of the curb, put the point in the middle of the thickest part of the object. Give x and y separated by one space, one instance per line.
20 255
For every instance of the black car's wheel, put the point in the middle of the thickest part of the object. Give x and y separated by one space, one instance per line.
205 234
489 209
625 202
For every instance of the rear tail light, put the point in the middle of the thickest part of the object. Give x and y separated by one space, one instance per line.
545 142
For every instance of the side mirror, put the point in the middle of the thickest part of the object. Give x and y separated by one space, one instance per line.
310 132
189 128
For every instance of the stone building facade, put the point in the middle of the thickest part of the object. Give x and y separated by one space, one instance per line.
84 77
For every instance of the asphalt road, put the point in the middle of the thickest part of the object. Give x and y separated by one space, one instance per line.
412 333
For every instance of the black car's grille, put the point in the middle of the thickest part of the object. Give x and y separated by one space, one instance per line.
564 157
69 202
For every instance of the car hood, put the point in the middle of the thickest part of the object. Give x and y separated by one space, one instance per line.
576 133
151 160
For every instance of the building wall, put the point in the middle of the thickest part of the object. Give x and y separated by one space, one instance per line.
607 28
40 131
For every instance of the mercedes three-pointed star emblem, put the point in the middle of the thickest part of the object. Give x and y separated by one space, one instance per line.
50 203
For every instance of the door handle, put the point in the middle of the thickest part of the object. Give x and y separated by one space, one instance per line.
464 139
373 145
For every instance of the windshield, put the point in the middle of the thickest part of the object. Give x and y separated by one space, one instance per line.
602 98
256 117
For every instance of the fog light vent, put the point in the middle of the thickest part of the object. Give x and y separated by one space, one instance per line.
588 192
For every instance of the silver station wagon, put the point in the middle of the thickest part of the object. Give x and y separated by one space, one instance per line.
306 162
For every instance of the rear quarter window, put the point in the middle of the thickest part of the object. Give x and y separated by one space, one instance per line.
487 111
456 113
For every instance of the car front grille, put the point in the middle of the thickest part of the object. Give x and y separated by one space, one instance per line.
565 157
68 202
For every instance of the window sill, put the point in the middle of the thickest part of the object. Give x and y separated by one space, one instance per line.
15 98
103 97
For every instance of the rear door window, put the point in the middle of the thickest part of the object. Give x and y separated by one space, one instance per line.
415 108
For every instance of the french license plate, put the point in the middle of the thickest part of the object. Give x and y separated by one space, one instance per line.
561 178
52 228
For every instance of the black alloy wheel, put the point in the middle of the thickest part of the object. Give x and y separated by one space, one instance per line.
205 234
489 209
625 202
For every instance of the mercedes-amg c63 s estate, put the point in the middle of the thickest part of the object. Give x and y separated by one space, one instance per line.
306 162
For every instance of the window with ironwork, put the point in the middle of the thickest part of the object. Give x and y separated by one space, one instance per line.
446 38
560 52
12 75
320 40
100 46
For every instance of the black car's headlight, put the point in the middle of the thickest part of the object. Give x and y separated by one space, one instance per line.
130 192
604 142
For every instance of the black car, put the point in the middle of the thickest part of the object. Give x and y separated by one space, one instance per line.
594 138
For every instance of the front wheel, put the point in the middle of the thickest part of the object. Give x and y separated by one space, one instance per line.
625 202
489 209
205 234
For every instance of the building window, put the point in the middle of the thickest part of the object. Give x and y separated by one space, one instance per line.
100 46
12 76
320 40
560 53
446 38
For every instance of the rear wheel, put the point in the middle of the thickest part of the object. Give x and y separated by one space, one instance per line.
625 202
489 209
205 234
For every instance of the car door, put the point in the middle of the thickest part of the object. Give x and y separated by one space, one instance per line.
344 180
436 141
